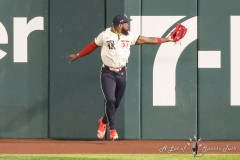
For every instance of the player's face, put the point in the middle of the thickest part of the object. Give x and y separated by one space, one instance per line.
125 28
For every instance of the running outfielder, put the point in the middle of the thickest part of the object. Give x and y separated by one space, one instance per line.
115 45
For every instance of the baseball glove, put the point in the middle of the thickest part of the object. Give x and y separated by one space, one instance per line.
178 33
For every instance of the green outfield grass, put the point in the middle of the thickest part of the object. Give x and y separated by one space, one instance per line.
117 156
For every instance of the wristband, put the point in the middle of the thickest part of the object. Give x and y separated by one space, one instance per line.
159 40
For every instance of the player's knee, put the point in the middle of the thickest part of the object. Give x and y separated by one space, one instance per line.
111 100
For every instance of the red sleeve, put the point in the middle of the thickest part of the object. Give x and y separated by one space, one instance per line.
87 50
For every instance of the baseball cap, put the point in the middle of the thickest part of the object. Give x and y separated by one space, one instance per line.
120 19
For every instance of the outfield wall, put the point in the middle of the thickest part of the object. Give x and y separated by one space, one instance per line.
174 91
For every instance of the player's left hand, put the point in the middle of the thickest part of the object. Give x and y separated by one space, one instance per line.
178 33
169 38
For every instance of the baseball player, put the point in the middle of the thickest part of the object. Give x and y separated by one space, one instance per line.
115 45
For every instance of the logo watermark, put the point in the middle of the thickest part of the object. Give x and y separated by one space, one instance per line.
173 148
198 148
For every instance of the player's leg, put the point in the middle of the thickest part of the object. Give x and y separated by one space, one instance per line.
119 92
108 84
120 87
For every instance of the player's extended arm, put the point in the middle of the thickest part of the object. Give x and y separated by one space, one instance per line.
87 50
152 40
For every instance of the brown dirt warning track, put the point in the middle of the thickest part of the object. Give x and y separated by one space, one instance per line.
48 146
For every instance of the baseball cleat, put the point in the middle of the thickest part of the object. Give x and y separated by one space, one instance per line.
101 129
113 135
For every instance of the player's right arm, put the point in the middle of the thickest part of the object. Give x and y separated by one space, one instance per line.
87 50
98 42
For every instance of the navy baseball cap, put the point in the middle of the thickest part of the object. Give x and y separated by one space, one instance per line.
120 19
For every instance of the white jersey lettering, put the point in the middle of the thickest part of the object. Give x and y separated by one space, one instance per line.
115 49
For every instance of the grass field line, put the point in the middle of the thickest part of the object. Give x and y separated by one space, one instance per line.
117 156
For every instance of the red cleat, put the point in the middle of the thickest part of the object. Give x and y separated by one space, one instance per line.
113 135
101 129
